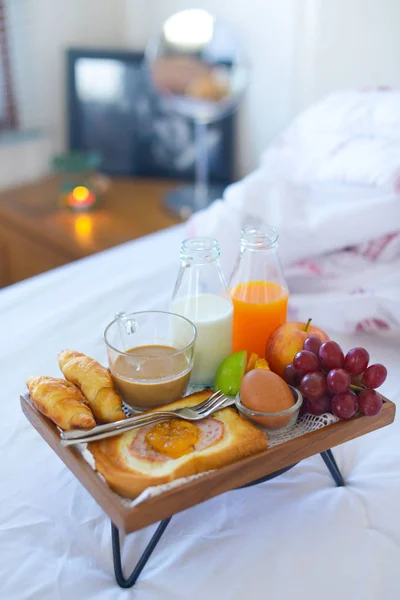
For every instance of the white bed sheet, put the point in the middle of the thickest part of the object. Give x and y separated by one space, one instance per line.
297 536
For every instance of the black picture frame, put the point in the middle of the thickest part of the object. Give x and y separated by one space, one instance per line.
129 126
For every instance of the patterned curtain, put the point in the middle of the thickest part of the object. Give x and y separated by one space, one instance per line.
8 120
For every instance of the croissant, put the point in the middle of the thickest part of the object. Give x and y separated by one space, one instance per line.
95 383
61 402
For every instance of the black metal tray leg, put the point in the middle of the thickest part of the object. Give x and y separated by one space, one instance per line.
334 470
327 457
131 580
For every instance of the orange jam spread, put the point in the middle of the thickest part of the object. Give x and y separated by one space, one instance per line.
173 438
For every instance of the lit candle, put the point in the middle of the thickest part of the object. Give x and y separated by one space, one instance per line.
81 198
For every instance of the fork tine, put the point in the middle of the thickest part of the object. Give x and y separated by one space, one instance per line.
217 406
219 401
209 402
203 403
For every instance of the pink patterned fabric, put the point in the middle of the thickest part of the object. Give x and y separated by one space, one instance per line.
375 263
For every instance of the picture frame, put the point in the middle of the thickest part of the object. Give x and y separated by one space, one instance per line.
112 109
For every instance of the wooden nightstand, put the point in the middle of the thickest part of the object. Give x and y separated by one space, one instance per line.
35 235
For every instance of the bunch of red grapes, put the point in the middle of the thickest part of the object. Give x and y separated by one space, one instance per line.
327 378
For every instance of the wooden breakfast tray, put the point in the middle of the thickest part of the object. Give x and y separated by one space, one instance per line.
217 482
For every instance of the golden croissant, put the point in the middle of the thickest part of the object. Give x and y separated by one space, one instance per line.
95 383
61 401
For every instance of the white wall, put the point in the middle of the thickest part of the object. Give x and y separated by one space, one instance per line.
139 23
345 44
54 26
20 43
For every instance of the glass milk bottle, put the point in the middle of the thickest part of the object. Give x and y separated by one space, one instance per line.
201 295
258 290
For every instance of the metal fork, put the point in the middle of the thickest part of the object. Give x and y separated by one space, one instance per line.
78 433
200 411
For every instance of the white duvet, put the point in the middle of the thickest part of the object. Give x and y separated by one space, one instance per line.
297 536
331 185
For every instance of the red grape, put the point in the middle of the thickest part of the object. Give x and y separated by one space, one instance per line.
344 406
370 402
313 386
338 381
313 344
374 376
291 376
305 362
356 361
320 406
331 355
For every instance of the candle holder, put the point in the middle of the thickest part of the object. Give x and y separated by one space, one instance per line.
80 187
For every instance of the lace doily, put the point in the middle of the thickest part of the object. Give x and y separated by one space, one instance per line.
305 424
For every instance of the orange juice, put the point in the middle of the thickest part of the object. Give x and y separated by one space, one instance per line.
259 307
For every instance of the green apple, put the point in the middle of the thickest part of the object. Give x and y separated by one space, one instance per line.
230 373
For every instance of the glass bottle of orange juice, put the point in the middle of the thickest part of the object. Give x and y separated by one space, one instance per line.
258 290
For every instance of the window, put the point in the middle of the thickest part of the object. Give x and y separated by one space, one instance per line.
8 116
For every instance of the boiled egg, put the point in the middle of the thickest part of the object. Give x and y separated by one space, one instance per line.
266 392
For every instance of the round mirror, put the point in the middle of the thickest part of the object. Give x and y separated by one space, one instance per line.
198 69
197 65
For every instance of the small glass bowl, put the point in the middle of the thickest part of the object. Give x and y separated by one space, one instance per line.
274 421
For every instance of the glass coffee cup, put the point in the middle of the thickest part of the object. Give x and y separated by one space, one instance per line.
150 356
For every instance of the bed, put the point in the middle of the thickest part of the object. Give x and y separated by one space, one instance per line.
295 536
